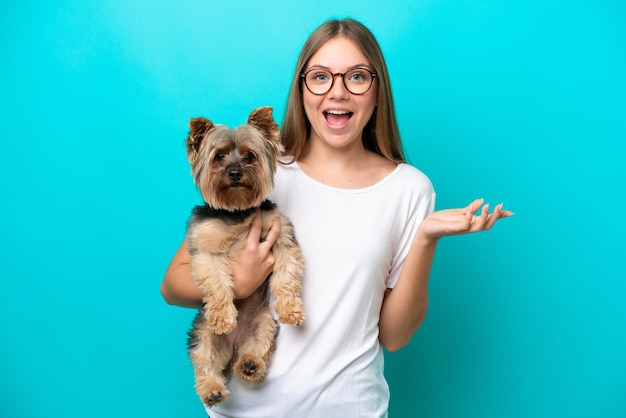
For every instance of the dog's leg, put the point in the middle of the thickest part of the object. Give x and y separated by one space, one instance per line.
286 279
212 275
256 347
210 355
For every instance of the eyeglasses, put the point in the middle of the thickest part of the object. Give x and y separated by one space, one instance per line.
357 81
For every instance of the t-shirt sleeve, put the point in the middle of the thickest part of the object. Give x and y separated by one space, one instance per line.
419 208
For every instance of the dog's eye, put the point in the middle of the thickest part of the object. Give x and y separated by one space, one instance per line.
249 157
219 157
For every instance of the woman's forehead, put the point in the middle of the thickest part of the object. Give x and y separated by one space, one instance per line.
338 54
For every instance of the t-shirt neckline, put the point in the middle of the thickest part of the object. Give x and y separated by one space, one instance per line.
374 186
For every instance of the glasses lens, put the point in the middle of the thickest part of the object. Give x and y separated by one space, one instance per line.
319 81
358 81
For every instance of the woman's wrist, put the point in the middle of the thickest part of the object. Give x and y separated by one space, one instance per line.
424 239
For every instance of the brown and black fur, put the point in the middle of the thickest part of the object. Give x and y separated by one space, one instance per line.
234 171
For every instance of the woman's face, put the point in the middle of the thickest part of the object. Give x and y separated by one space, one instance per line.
338 117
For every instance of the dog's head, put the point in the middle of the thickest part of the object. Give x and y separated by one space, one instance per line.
234 168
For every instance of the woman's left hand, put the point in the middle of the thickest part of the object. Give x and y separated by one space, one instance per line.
461 221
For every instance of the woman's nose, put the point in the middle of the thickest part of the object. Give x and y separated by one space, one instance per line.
338 89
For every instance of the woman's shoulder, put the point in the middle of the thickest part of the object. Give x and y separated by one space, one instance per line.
414 177
287 171
286 165
286 161
410 171
402 172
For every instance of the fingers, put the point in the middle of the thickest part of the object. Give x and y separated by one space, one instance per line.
484 220
507 213
475 205
273 233
498 213
254 235
477 223
471 208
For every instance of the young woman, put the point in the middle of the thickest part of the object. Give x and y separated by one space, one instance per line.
365 222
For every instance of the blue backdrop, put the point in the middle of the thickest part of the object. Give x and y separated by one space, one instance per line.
519 102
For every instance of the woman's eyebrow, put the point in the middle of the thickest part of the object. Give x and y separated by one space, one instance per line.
323 67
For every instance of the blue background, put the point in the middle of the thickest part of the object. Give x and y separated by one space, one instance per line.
518 102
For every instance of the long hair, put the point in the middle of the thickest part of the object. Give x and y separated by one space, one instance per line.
380 134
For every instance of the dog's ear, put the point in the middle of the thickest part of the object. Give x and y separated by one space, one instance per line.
263 120
198 128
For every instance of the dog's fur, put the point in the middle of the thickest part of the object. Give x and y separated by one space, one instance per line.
234 171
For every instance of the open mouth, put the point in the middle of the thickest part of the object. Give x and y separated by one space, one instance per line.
337 117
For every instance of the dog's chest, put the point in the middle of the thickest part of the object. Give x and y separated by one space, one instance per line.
216 231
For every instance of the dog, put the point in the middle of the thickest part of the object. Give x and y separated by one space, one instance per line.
234 171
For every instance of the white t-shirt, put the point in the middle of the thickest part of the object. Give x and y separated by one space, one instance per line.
354 243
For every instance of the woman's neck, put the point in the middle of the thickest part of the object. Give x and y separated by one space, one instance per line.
353 168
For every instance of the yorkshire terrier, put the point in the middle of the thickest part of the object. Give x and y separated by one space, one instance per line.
234 171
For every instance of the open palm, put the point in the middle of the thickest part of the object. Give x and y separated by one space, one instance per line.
462 221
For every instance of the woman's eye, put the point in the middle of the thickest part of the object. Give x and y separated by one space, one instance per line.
358 76
321 77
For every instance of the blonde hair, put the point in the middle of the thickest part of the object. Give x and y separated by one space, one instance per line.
380 134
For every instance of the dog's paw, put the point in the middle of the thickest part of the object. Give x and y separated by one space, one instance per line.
290 313
292 318
250 369
215 397
212 393
222 326
223 321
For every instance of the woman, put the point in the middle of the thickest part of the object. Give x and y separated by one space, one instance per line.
365 222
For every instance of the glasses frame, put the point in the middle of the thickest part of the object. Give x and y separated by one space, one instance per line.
343 75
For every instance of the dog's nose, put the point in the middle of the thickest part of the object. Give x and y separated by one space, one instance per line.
234 174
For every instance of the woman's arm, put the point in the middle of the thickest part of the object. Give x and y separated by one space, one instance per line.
404 307
178 287
255 263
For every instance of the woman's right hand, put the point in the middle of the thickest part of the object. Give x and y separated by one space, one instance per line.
256 260
253 266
